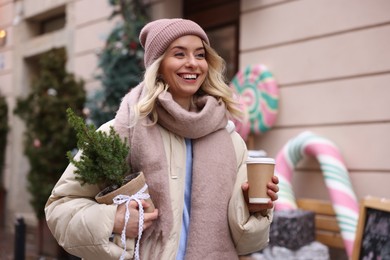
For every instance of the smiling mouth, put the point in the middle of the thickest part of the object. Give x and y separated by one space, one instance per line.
189 76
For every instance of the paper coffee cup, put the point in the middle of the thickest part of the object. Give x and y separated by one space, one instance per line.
259 171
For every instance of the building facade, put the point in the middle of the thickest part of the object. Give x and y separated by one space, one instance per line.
331 60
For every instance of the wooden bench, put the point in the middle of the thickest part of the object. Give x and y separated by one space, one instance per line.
327 228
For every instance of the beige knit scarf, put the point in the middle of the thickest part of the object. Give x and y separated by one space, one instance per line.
214 170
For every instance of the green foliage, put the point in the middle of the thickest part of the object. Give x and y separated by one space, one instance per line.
3 134
103 158
121 61
47 136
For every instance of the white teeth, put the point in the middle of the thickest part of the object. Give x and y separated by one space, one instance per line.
189 76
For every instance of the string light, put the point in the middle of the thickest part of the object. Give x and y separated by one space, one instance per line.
3 36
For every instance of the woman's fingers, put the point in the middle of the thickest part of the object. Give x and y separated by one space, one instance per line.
245 188
149 218
272 190
133 222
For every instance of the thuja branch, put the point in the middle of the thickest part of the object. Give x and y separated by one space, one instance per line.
103 158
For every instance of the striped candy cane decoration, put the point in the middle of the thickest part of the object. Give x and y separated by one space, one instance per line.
335 175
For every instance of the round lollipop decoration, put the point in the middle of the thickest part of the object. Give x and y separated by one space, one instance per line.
258 95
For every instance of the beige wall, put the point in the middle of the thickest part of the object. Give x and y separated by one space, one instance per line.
332 63
90 31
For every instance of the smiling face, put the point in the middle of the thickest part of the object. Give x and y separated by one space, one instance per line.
184 68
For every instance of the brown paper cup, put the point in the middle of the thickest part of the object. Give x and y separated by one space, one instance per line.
129 189
260 171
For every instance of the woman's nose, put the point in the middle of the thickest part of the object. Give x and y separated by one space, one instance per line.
191 61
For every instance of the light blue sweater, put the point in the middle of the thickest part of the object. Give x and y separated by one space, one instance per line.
187 203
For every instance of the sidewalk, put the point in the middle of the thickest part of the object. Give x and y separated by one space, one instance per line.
6 246
7 241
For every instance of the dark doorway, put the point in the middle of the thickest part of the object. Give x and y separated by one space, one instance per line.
220 20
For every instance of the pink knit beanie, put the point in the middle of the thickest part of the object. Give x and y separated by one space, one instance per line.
156 36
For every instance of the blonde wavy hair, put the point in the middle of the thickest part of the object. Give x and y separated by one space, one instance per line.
214 85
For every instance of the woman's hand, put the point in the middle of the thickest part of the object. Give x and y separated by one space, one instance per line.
132 224
272 190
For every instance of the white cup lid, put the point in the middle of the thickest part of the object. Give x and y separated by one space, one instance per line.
260 160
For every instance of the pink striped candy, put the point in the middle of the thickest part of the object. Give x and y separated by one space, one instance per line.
336 178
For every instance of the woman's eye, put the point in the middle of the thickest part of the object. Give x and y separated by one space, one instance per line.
179 54
201 55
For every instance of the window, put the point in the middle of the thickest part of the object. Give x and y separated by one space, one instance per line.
52 24
47 22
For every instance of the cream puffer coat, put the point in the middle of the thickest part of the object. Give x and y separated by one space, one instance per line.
83 227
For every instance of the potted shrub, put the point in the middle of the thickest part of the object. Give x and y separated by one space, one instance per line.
103 161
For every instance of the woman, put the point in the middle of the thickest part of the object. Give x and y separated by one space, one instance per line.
193 160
